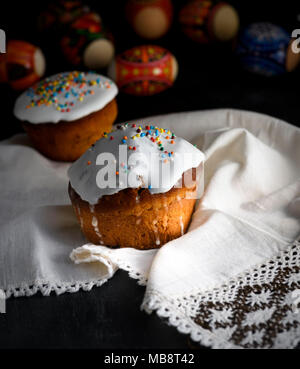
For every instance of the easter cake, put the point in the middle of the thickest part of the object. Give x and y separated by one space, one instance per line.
66 113
136 187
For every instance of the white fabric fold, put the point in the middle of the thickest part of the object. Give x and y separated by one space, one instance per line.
249 212
134 261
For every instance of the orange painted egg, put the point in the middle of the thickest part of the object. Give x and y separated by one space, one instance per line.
144 70
150 19
22 65
209 20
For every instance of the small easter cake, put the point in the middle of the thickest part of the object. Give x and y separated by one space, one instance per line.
136 187
66 113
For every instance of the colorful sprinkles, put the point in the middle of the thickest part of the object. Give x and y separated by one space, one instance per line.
72 87
159 137
152 133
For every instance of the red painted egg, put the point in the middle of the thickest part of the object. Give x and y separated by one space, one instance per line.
22 65
58 14
150 19
144 70
87 42
209 20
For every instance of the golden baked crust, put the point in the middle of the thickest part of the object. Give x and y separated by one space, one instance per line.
135 218
67 141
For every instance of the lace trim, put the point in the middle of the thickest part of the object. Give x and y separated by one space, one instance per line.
256 310
46 287
141 279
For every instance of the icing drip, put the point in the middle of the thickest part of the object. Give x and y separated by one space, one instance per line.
156 233
95 223
181 225
79 215
96 229
180 218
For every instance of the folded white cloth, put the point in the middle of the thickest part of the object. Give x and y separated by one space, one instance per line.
249 213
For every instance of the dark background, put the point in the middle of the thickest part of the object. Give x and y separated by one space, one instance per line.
209 77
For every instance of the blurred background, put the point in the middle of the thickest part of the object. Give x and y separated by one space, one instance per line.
210 75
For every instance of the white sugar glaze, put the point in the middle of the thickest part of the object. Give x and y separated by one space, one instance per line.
50 100
84 173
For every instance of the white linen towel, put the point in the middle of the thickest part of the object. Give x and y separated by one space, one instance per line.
249 213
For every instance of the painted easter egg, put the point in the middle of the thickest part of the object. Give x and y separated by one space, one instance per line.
87 42
22 65
266 49
59 14
209 20
150 19
144 70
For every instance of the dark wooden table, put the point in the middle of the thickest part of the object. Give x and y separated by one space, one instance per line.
209 77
